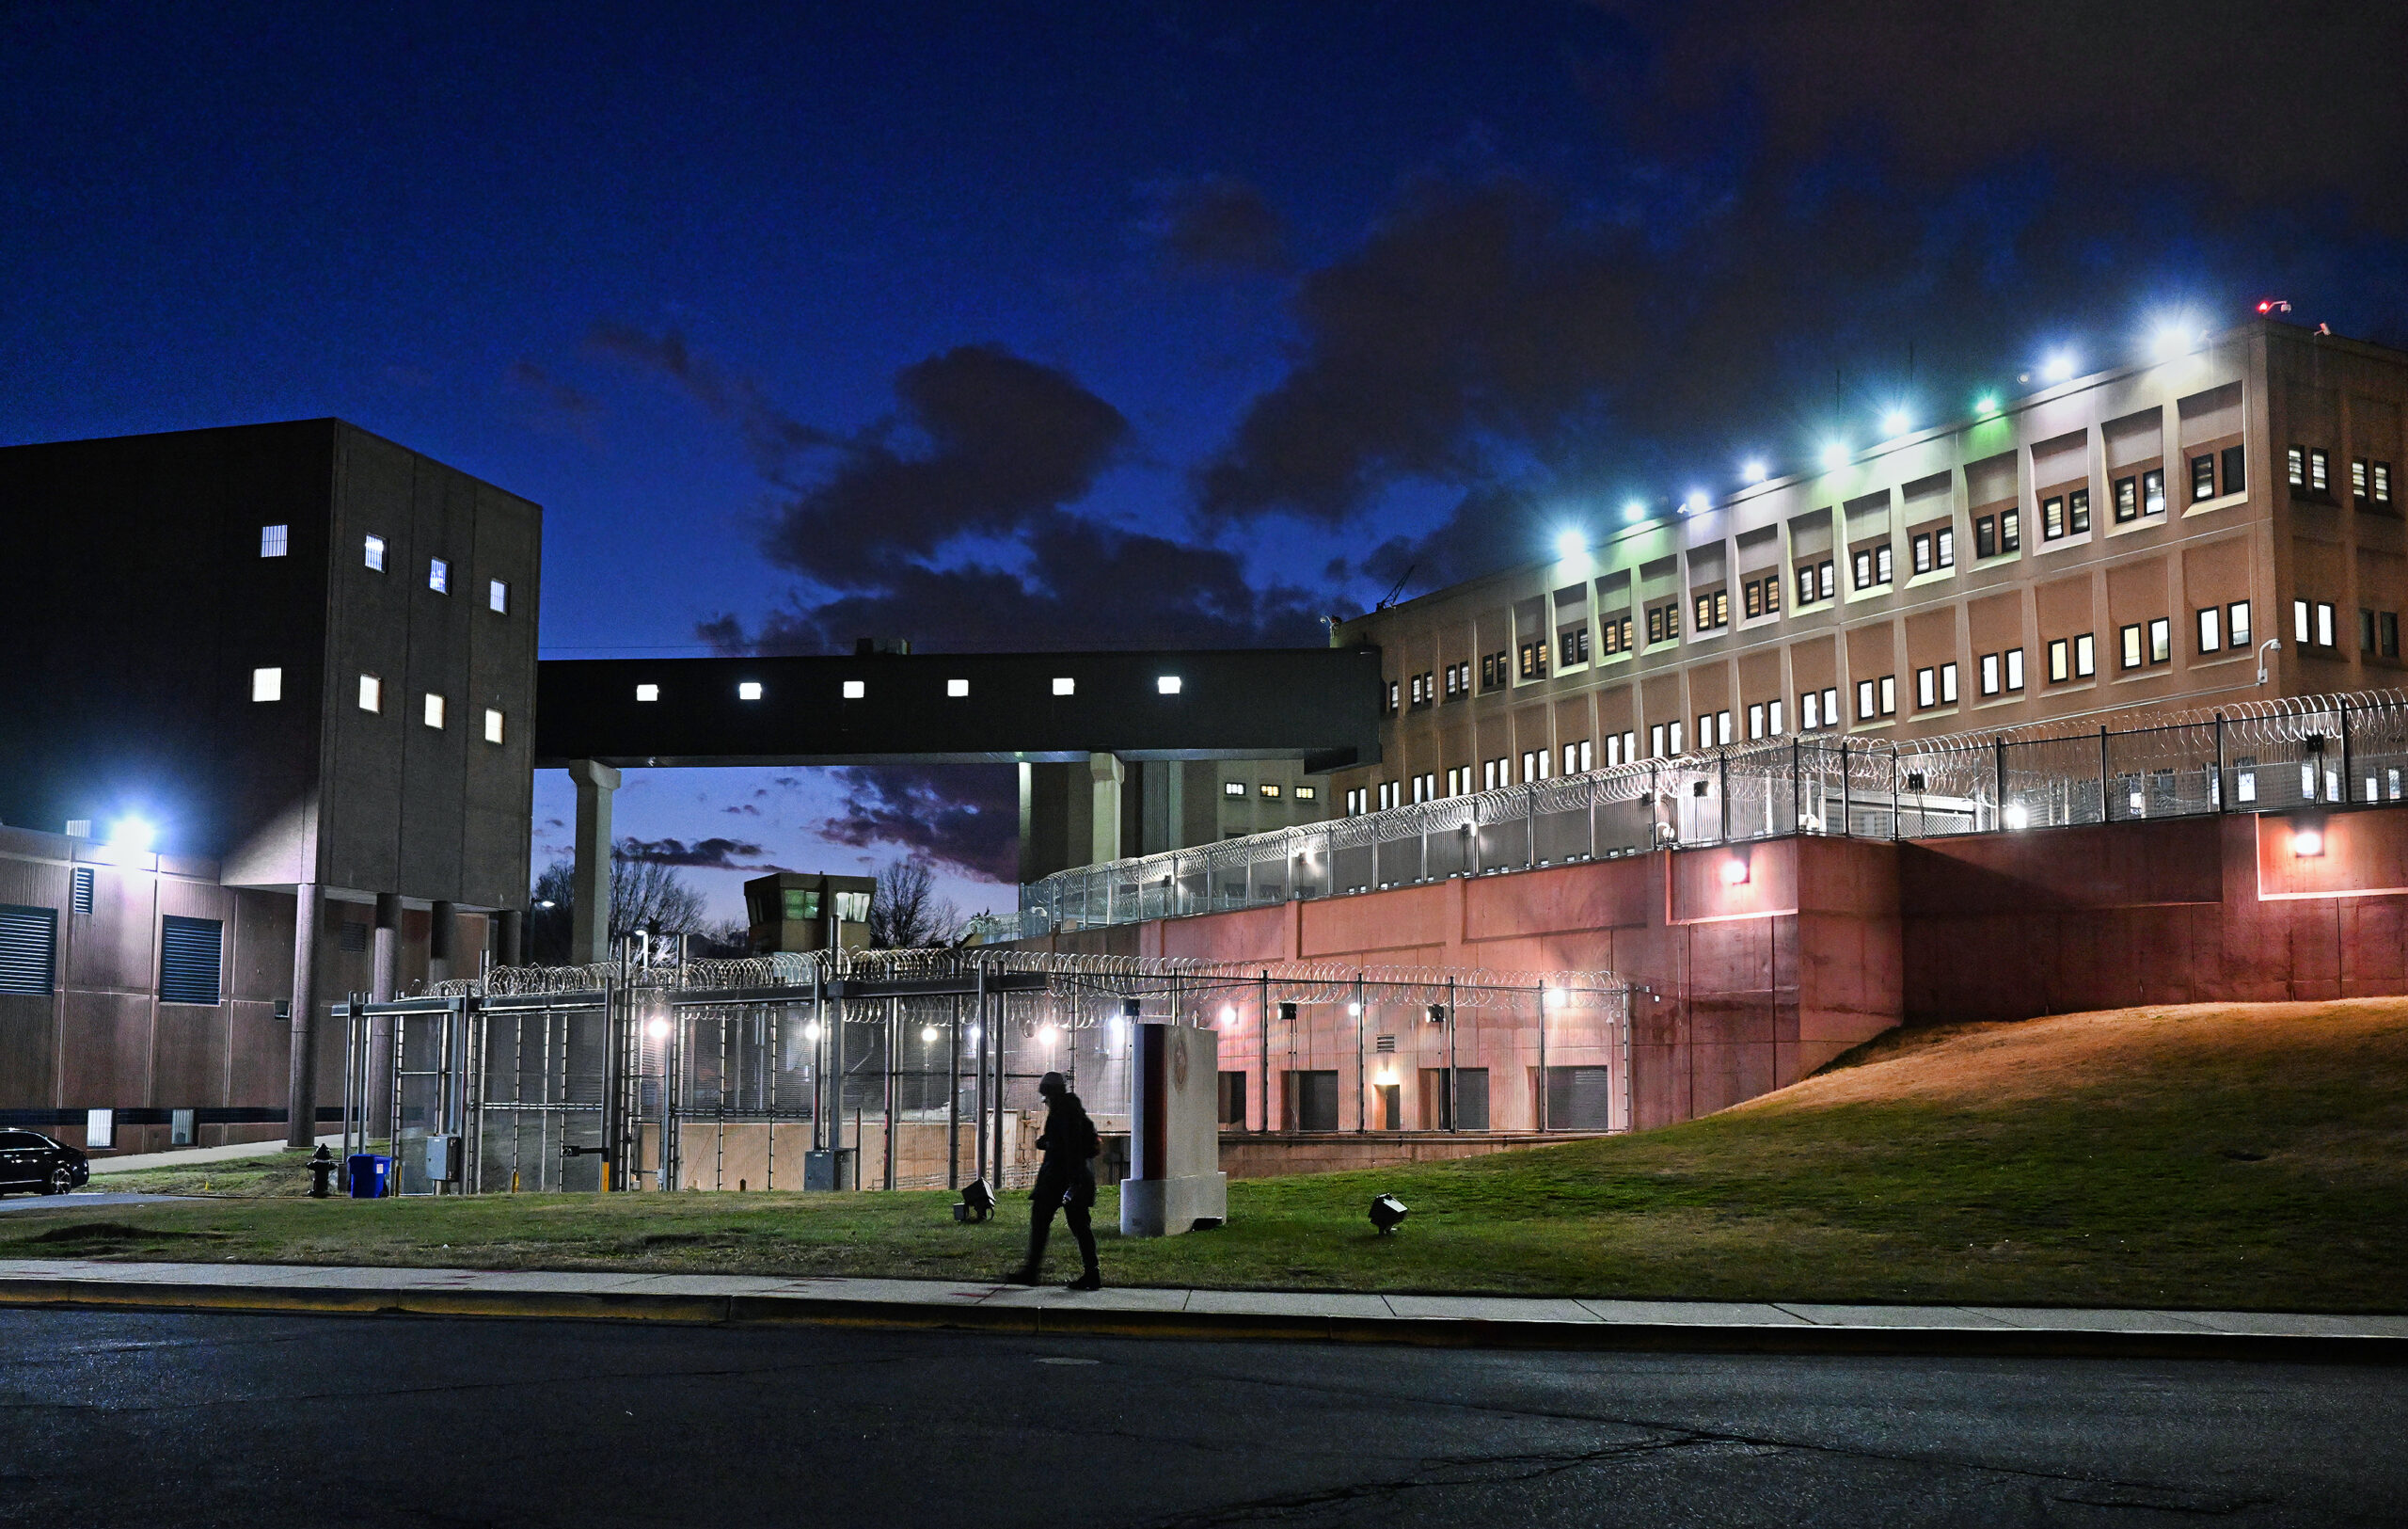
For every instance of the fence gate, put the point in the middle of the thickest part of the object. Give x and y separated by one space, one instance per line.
551 1103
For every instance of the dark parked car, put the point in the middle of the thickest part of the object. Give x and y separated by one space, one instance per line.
30 1160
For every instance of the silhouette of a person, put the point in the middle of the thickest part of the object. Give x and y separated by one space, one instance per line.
1065 1182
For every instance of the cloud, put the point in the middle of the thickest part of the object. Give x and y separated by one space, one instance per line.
773 436
964 816
710 853
2259 102
1214 225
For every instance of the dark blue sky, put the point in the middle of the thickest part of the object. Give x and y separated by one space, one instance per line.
1030 326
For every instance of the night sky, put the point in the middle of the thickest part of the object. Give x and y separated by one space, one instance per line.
1117 324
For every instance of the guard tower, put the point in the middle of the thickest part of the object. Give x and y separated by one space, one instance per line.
796 911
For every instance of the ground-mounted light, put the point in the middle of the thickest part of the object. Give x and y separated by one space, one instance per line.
1387 1214
928 1035
2016 816
2307 843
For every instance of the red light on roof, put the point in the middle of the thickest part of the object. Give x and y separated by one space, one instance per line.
2265 308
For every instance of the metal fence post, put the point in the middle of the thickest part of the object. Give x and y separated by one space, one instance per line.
1896 830
2105 812
952 1097
1796 787
2349 781
1263 1022
1847 794
1362 1063
1454 1118
2215 791
1543 1109
2001 743
894 1058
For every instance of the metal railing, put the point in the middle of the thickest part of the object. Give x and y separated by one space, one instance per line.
2265 755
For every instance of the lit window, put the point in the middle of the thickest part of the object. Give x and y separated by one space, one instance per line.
1948 684
1233 787
2078 511
1864 708
1306 794
493 726
2153 491
1167 684
2131 637
647 692
2299 622
2319 470
267 684
1927 687
748 690
497 597
1271 789
957 687
438 576
2085 656
371 693
2296 459
2015 668
1065 685
2237 622
376 553
1947 545
1809 714
1989 674
273 540
2160 640
434 712
2210 630
2324 623
856 689
1776 719
2383 482
1888 696
2203 476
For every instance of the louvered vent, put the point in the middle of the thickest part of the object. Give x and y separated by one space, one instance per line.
191 951
28 948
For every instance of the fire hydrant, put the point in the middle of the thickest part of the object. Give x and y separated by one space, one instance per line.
322 1169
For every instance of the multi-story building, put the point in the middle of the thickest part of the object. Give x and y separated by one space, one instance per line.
2221 522
251 669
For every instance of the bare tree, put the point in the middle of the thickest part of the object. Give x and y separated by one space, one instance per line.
647 897
905 911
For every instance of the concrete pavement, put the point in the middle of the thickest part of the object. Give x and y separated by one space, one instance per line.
1455 1321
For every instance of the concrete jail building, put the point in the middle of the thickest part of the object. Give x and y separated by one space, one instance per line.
265 739
2129 538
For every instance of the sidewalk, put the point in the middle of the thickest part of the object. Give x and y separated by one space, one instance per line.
1453 1321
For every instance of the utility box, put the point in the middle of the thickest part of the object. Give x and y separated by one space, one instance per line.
828 1168
1175 1181
443 1159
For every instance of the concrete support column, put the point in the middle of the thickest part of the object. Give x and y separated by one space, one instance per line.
442 934
510 938
588 937
1108 774
384 948
301 1088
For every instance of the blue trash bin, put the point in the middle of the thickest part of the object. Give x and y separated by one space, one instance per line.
371 1175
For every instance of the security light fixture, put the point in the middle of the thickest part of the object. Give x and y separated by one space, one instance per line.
1437 1014
1986 406
2307 842
647 692
132 835
856 689
1353 1011
2175 338
1834 456
748 690
1570 543
1167 684
1698 504
811 1031
1286 1013
2272 645
1753 472
928 1035
1895 423
546 902
1556 997
1047 1034
1229 1014
1387 1214
2016 816
1065 685
1734 872
957 687
1634 510
977 1201
2057 367
657 1029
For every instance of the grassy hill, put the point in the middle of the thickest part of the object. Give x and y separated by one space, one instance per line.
2212 1156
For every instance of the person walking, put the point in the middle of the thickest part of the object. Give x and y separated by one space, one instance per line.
1065 1182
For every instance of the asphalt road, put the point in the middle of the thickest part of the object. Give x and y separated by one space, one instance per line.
159 1418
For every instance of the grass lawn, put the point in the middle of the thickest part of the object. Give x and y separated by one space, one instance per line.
2212 1155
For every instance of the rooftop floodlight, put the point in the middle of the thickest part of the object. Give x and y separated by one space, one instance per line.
2273 304
1570 543
1986 406
1387 1214
132 834
1167 684
1752 470
2017 817
1635 509
1699 503
2057 366
1896 421
1834 456
2307 842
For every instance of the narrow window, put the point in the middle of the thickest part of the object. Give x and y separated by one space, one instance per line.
2295 460
1772 595
2383 482
1923 553
1270 789
1989 674
2161 639
493 726
267 684
1948 684
1809 712
2366 630
1881 564
2203 477
2077 512
1233 787
2300 628
2128 500
2358 477
376 554
497 597
433 715
2010 535
1753 599
2131 637
2237 622
1306 794
273 540
2153 491
371 693
1830 706
1755 721
1722 608
1829 588
81 896
1676 737
1861 568
2319 471
1926 688
438 576
2060 659
1655 741
2389 623
2210 630
1985 538
2324 624
2015 668
2085 656
1947 545
1865 710
1888 696
2052 518
1775 717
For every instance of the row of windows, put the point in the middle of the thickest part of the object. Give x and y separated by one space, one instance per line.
267 684
276 541
1269 789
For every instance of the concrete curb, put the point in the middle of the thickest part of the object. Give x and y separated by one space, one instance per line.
1061 1319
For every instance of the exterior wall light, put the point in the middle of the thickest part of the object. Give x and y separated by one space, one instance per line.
957 687
1167 684
2307 842
657 1029
749 689
647 692
1229 1014
928 1035
856 689
1065 685
1047 1034
1734 872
